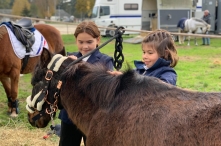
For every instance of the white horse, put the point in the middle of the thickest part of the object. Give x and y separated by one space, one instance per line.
191 26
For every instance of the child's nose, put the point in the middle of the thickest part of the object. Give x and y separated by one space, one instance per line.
144 56
85 45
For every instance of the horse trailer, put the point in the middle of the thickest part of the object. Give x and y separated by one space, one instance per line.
114 13
170 12
165 14
141 14
214 7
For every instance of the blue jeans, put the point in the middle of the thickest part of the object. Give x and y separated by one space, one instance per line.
206 41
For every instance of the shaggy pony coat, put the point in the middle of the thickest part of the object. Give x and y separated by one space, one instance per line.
135 110
131 109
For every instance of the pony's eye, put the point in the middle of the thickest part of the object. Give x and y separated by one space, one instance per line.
33 82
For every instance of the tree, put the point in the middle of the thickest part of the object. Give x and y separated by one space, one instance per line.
11 3
69 7
90 5
26 12
34 10
5 4
46 8
84 7
19 6
72 6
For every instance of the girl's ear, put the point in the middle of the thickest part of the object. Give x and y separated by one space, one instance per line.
166 55
98 40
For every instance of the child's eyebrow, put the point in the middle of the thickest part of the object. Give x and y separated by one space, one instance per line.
85 40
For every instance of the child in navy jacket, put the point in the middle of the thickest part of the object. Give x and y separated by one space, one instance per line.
87 37
159 57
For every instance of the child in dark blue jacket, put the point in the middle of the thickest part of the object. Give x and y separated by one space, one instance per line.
87 37
159 57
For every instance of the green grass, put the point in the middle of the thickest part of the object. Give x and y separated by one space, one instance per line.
199 68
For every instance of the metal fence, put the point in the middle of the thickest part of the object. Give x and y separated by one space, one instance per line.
69 27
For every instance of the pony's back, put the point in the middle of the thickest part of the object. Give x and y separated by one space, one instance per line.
199 20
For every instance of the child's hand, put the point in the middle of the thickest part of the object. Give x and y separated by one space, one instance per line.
115 72
73 57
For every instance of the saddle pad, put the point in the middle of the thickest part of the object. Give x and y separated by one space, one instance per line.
20 49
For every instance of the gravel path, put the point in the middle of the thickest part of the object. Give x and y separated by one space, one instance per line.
65 28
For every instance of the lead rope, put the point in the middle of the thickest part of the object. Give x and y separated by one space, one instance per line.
52 127
52 119
118 54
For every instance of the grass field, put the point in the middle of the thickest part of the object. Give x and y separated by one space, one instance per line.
199 68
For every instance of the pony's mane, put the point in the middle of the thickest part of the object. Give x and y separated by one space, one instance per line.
200 20
105 90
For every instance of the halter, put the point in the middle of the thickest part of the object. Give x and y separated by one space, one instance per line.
39 99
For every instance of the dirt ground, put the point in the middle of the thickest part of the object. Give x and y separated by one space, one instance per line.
22 136
65 28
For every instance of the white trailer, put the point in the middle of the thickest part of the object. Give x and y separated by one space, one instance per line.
199 6
212 6
166 13
114 13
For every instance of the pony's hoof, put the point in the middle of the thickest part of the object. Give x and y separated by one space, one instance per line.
14 114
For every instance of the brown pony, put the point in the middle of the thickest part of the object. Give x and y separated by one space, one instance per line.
129 109
10 64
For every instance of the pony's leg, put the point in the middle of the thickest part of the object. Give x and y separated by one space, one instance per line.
15 74
182 39
6 82
196 42
179 36
11 89
188 44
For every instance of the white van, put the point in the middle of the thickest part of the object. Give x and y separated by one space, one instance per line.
114 13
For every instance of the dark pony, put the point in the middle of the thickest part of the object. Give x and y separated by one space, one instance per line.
10 64
129 109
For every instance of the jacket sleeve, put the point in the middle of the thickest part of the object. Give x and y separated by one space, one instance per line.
209 21
169 77
71 53
110 63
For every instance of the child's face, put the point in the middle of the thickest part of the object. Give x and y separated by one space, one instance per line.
150 55
86 42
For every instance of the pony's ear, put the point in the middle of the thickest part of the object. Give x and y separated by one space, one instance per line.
45 58
62 52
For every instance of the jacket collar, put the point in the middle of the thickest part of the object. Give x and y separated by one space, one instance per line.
93 58
159 63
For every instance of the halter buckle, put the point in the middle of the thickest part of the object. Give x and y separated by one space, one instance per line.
49 75
51 111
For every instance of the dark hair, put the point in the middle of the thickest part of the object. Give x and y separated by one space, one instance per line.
163 43
89 27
